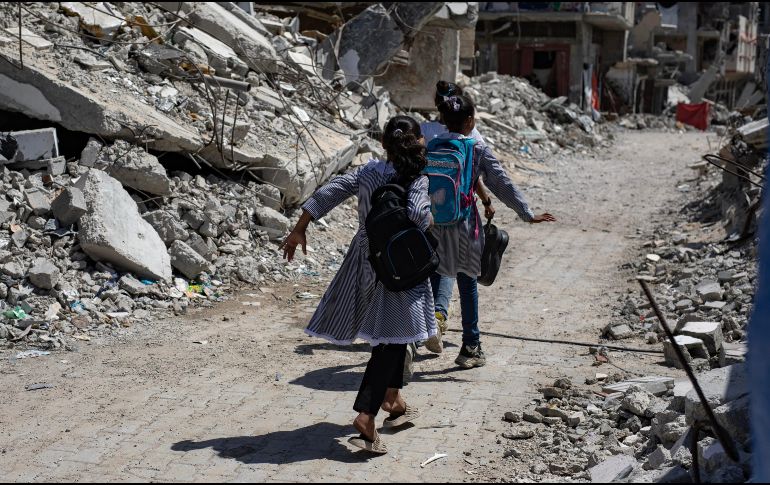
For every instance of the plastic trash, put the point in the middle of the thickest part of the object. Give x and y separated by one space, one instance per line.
433 458
16 313
30 354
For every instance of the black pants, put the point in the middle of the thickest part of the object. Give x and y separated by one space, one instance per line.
385 369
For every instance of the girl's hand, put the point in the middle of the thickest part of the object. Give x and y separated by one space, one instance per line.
545 217
489 211
294 239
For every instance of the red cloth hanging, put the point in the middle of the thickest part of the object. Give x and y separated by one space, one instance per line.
696 115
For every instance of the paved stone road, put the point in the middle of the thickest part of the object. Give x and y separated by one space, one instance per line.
260 401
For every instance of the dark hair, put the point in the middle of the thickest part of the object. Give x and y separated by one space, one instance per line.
455 111
445 89
401 140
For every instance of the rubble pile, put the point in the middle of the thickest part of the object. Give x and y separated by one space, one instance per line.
632 431
705 289
519 118
703 281
194 78
105 237
80 255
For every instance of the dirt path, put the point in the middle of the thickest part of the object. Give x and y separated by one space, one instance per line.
262 401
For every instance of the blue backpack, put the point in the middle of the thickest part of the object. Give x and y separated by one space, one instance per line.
450 172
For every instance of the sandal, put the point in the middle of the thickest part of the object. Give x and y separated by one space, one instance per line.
396 420
376 446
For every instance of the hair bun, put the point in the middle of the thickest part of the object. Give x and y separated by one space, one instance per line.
445 89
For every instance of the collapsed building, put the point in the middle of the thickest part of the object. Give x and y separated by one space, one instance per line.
149 152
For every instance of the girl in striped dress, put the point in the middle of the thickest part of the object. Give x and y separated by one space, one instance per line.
356 306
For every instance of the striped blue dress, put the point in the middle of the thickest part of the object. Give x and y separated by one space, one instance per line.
356 306
461 244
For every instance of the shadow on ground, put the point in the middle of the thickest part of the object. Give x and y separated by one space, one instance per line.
316 442
342 378
310 349
339 378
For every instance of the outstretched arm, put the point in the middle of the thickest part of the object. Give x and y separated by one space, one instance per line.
334 193
500 184
324 200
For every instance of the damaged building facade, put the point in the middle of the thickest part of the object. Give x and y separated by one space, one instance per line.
690 52
561 48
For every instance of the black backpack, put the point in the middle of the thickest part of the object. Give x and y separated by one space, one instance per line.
401 254
496 240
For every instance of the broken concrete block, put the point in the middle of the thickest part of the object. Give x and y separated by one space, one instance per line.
272 219
735 352
113 231
267 96
269 196
92 63
135 168
100 20
132 286
709 332
209 229
669 427
44 274
90 153
574 419
220 56
532 417
637 401
38 42
619 332
720 386
691 348
204 247
681 388
734 418
12 269
613 468
39 200
552 392
232 30
56 166
187 261
168 227
709 290
658 458
29 145
69 206
367 42
656 385
712 456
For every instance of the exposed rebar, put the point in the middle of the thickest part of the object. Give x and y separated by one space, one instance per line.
722 435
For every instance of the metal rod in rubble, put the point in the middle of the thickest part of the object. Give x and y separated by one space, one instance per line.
733 162
722 435
734 173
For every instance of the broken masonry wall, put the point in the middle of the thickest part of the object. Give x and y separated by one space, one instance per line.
434 55
366 43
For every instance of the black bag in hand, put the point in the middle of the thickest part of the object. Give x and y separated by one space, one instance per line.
401 254
496 240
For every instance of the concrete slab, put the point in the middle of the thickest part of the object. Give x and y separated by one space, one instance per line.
113 230
37 41
657 385
29 145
